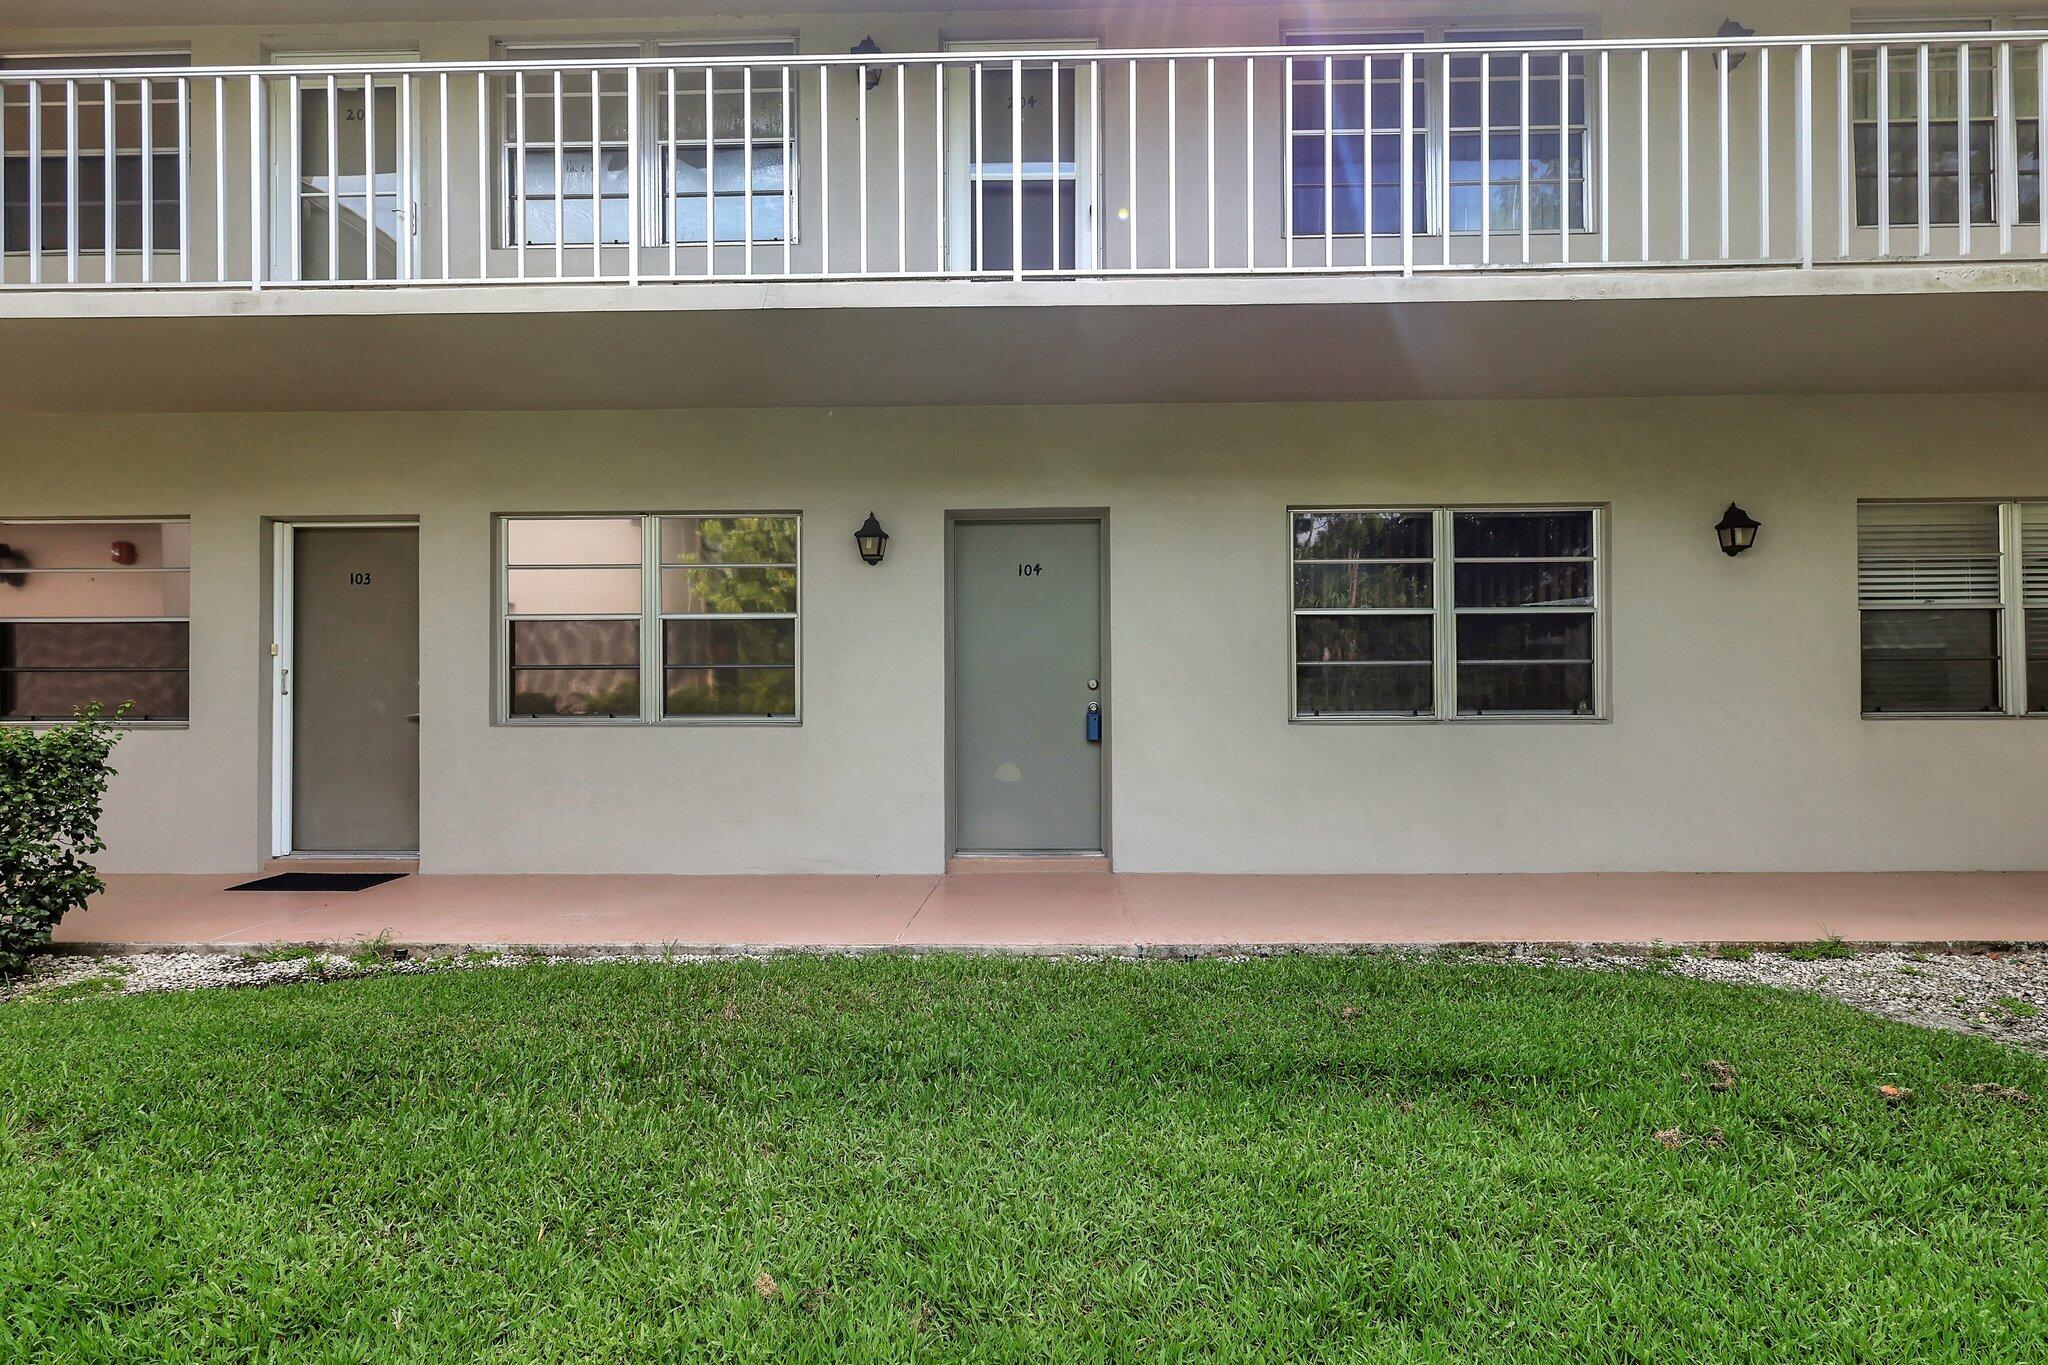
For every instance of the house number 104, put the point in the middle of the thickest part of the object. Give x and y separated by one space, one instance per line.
1030 570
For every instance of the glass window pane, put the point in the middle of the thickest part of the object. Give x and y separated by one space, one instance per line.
1362 535
2037 660
94 592
699 590
572 592
585 644
1362 639
94 544
150 645
1563 689
1364 689
572 540
1536 583
728 540
727 644
1495 535
1359 584
575 692
1930 661
1551 635
59 694
764 692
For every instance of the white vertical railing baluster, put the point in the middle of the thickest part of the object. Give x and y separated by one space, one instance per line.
148 213
2006 191
902 175
71 214
408 229
1095 233
1444 208
1606 168
1884 150
1365 124
295 171
1926 135
1486 158
107 215
1966 204
561 178
788 179
860 124
711 173
1684 154
1172 164
1763 154
671 179
259 160
1564 156
520 231
1405 210
1803 149
333 179
1287 69
1251 181
597 175
485 117
980 177
1329 175
824 172
35 182
1528 208
220 179
1643 159
1209 165
446 208
1722 162
632 175
1016 169
369 176
940 189
184 180
1056 166
2041 140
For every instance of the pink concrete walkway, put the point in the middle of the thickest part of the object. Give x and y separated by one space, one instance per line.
1037 911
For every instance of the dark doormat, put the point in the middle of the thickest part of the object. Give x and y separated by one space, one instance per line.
319 881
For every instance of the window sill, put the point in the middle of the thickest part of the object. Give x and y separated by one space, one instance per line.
633 723
1954 715
118 725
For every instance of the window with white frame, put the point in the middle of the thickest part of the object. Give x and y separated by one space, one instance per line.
714 139
1345 134
650 617
141 126
95 613
1446 613
1886 116
1954 602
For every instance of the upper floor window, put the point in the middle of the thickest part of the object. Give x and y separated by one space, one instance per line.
649 617
1954 599
1479 118
1446 613
1887 103
55 186
715 140
95 613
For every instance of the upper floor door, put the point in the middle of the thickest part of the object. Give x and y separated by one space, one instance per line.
344 170
1021 157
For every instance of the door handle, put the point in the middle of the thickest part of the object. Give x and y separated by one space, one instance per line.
414 718
1094 730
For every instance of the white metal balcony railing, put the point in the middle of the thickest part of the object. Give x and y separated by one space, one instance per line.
1787 152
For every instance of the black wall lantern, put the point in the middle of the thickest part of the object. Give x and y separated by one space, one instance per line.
868 47
1737 530
872 540
1736 29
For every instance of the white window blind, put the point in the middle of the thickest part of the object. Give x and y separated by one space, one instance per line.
1927 555
2034 601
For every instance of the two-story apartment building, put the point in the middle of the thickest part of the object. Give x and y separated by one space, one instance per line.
1302 433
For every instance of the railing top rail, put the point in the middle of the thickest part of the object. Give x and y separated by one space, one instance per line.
1062 54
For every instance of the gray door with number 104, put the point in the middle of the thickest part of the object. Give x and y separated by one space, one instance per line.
1027 666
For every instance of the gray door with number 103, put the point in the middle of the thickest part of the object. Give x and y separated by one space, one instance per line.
1027 666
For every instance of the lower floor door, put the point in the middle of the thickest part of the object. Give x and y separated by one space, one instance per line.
1027 695
354 686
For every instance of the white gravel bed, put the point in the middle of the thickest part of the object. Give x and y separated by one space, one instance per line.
1996 995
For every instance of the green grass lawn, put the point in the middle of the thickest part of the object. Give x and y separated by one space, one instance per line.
1360 1158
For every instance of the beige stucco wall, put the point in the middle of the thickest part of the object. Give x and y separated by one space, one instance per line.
1734 744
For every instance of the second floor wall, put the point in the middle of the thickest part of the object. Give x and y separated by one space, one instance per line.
1047 142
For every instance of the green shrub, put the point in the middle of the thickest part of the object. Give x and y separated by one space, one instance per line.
51 785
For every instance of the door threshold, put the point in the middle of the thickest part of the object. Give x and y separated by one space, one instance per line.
970 864
343 862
